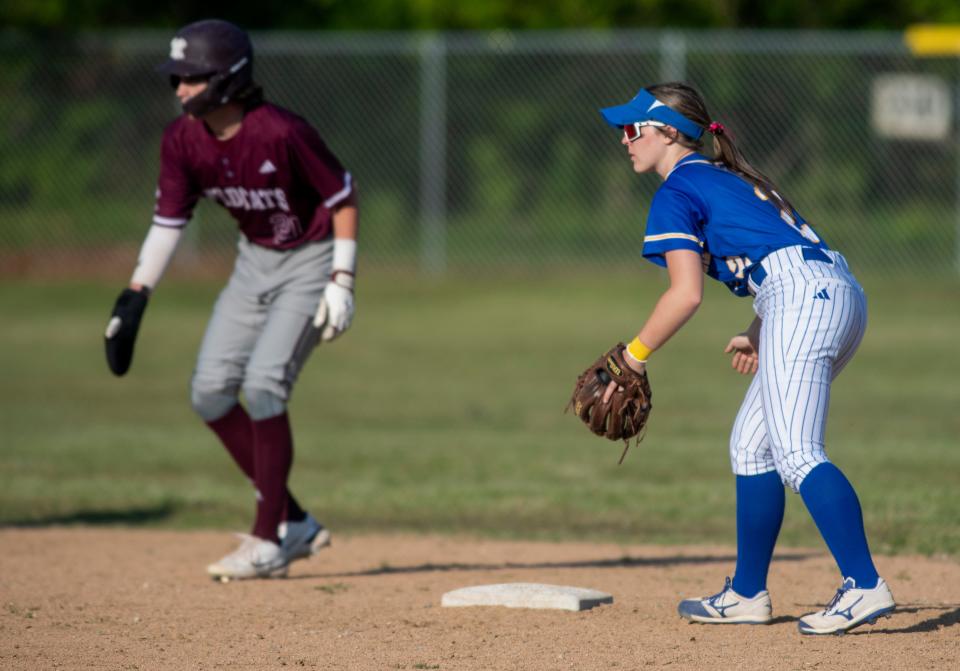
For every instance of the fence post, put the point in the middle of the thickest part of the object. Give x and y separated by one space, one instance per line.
925 40
433 154
673 57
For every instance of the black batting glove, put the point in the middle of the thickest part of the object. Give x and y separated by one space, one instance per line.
122 329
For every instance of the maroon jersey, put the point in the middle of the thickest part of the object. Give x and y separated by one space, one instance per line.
275 176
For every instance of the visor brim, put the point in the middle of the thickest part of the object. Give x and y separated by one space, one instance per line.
621 115
183 69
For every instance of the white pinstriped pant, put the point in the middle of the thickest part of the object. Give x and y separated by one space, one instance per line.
814 316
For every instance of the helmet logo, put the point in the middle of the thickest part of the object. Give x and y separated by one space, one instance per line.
177 46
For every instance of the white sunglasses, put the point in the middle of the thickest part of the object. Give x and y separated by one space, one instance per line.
632 130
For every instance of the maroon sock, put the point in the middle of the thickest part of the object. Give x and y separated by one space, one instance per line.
235 431
272 456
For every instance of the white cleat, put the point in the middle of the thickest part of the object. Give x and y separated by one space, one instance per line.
300 540
728 607
255 558
849 608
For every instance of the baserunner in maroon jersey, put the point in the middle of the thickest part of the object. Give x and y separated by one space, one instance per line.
291 287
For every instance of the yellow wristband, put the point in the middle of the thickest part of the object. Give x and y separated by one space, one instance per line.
638 350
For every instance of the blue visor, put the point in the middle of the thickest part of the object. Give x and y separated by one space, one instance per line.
644 107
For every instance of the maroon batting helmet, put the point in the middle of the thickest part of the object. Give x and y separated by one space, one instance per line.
218 51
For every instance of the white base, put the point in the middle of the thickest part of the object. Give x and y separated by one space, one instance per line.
527 595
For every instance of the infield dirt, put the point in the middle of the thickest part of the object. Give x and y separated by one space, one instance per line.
93 598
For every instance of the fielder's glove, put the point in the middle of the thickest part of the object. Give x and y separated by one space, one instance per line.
122 329
335 312
625 414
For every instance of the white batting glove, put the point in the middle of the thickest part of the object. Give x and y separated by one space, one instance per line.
335 312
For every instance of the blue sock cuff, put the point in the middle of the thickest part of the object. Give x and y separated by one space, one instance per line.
760 488
825 481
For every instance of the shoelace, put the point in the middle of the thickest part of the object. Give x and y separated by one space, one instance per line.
727 586
836 599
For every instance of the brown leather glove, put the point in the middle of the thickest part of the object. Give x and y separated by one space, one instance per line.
625 414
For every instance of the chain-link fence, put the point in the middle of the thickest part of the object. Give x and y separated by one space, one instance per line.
475 150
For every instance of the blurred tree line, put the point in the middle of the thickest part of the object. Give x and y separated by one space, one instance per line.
531 171
83 111
67 15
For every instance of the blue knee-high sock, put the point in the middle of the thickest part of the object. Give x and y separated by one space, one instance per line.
834 506
760 504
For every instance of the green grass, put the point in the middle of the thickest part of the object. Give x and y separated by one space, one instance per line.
441 410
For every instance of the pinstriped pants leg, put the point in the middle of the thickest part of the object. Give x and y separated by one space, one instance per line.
814 317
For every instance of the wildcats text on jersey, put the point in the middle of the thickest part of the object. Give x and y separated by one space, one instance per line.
239 198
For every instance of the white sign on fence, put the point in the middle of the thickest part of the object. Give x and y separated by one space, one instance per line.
911 107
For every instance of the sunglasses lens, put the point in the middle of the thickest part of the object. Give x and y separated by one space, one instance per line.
631 132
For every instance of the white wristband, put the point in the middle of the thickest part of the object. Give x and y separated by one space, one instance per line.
155 254
630 356
345 255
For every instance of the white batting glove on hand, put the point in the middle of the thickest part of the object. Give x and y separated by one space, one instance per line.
335 313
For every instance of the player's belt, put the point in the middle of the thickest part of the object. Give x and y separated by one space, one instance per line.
758 274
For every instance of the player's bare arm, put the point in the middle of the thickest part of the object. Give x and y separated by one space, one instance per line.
674 308
346 217
679 302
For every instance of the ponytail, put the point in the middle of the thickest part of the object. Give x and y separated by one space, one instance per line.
687 101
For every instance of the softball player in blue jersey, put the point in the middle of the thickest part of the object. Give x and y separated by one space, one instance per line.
721 216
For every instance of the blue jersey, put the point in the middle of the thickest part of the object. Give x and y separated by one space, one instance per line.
704 207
